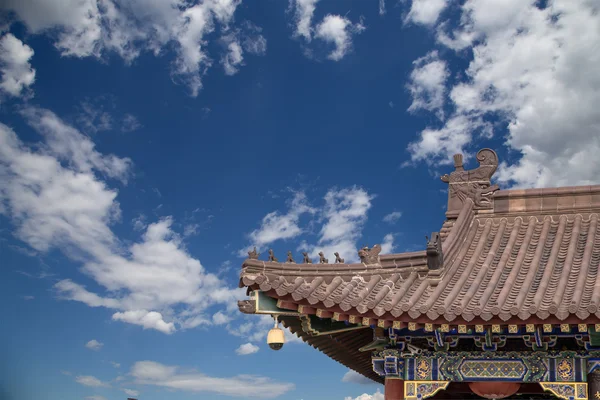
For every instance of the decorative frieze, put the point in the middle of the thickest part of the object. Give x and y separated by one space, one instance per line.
459 366
419 390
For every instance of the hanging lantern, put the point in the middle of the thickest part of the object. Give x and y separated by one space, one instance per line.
494 390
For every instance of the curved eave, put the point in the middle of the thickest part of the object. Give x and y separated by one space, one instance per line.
342 347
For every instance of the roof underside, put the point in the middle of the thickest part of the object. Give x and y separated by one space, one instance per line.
342 347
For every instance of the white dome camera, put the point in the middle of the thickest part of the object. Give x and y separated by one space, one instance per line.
276 338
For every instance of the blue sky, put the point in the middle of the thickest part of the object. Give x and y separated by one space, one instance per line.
145 145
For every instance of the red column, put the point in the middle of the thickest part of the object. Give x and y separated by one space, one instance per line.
394 389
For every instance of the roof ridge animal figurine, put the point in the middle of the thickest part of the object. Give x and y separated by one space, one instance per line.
322 258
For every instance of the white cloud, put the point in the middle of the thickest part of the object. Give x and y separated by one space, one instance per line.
139 222
345 213
304 10
247 39
17 73
276 226
28 297
392 217
96 28
338 30
355 377
375 396
333 29
66 143
220 319
427 84
438 145
93 118
381 7
233 58
147 319
246 348
131 392
387 247
115 364
95 397
94 345
426 12
533 73
153 373
55 200
92 381
130 123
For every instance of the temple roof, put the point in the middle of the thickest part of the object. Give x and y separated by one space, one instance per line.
501 255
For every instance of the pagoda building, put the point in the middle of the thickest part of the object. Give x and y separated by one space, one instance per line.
503 302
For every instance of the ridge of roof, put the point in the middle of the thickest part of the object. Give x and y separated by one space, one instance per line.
547 200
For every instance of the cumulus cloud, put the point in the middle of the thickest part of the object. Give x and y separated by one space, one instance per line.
277 226
172 377
15 68
147 319
392 217
427 84
355 377
333 29
98 28
534 76
303 14
375 396
92 381
344 215
426 12
94 345
55 198
338 31
246 348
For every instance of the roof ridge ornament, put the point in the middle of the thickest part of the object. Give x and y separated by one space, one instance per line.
290 258
435 256
472 184
370 256
272 257
305 258
253 254
322 259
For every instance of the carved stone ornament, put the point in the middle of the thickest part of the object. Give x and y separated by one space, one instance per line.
322 258
247 306
272 257
370 256
473 184
305 258
338 259
253 254
290 259
435 257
